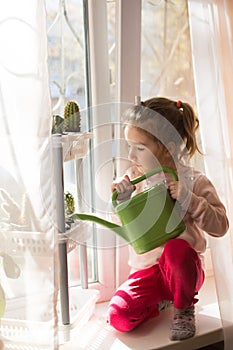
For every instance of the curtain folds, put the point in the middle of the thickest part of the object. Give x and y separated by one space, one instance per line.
211 24
28 250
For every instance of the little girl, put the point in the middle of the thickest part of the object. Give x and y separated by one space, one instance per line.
161 132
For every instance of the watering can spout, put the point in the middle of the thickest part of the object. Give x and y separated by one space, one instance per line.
108 224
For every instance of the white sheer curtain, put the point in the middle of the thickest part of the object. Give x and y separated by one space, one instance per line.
211 24
28 245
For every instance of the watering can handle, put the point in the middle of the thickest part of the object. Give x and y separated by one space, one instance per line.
145 176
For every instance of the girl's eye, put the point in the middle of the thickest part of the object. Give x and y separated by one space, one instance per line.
136 148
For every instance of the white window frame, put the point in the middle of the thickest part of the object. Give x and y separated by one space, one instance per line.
128 86
99 95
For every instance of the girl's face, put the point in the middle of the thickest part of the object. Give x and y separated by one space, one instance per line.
144 151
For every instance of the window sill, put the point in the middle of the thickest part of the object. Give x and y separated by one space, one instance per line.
153 334
82 307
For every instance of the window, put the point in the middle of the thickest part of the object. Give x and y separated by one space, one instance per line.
166 67
68 73
85 65
166 52
68 26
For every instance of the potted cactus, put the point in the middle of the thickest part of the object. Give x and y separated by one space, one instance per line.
72 117
75 143
69 209
71 122
69 203
58 124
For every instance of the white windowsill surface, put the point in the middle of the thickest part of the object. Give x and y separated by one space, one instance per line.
153 334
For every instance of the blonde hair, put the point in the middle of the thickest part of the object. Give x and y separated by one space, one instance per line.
168 121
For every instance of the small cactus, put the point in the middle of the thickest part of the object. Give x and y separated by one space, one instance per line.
69 203
72 117
58 124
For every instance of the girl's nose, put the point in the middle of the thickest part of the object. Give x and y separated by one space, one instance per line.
132 155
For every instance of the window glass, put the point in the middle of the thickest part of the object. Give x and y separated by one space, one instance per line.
66 53
111 19
68 81
166 66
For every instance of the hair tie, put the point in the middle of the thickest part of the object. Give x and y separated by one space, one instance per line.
179 104
137 100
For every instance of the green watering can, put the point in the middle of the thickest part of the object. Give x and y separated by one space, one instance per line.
149 219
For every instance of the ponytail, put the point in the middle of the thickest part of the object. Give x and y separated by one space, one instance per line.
191 125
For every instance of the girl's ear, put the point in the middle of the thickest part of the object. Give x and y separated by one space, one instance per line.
171 147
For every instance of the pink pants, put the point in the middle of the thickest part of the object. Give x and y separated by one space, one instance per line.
177 277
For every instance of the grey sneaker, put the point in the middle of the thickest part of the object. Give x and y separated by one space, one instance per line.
183 324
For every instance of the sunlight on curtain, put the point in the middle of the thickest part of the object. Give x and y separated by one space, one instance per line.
211 38
27 251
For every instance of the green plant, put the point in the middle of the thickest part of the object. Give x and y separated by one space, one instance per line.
72 117
2 302
69 203
70 122
11 270
58 124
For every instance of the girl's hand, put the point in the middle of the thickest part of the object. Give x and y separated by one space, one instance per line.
177 189
124 188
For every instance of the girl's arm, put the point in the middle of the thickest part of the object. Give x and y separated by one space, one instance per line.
203 205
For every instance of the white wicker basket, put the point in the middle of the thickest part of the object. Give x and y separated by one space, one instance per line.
17 243
21 334
75 145
38 244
